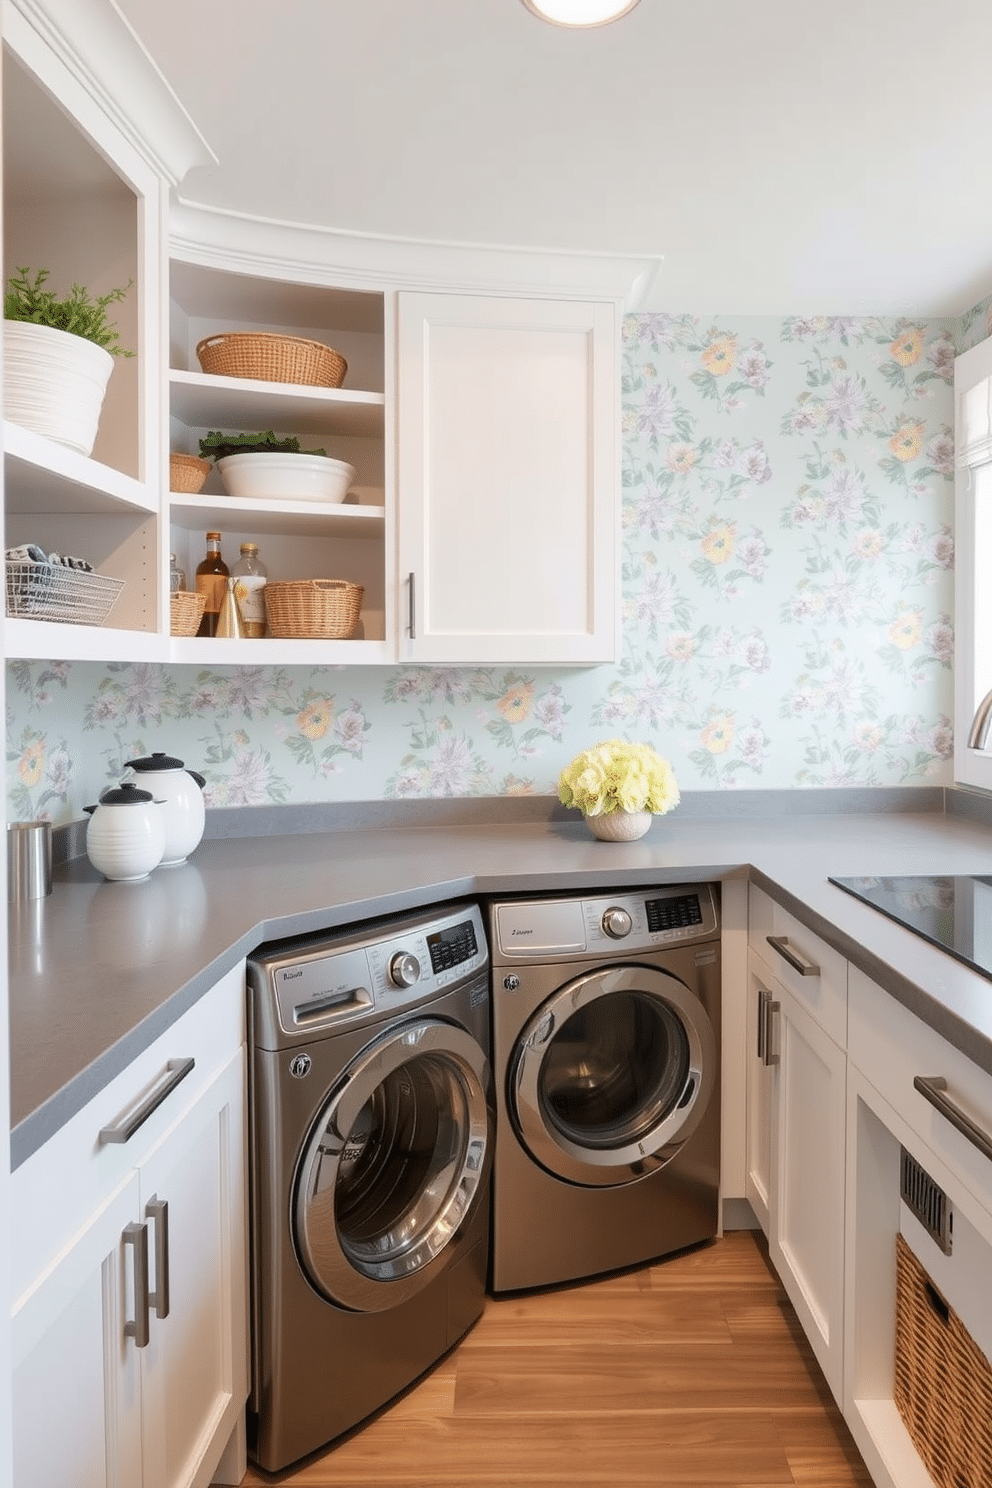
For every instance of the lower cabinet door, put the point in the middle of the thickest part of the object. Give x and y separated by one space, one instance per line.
194 1373
806 1231
76 1388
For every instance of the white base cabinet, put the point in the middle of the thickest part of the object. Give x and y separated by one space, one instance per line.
795 1171
887 1114
129 1327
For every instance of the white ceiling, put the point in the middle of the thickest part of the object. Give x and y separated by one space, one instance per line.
784 156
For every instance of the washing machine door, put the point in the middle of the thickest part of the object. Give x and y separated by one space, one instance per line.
393 1165
612 1074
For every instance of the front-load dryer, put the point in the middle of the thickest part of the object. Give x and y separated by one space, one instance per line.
371 1145
606 1050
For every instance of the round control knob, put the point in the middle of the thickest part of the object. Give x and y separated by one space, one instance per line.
617 923
404 969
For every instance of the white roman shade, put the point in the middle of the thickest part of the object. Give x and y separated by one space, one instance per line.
974 425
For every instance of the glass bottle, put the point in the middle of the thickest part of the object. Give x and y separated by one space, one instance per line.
177 579
251 575
211 581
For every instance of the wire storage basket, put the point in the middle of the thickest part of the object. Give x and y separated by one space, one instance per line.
186 608
268 357
39 591
943 1381
313 609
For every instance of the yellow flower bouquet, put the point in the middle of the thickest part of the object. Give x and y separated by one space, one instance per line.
616 776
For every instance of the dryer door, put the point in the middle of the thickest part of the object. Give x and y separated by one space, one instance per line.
393 1165
612 1074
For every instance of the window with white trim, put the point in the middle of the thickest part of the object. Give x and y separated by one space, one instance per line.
973 562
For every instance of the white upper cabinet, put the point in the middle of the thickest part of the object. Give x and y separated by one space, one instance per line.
480 407
508 479
298 540
84 196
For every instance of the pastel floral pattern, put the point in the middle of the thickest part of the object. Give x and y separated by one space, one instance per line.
787 591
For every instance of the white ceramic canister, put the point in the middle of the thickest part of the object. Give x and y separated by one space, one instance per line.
180 794
125 835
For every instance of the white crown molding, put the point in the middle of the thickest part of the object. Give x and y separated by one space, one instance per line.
257 245
101 52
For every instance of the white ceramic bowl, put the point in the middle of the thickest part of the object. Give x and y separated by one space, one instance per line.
286 476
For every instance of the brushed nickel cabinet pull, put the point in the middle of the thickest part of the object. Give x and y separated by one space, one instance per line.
412 617
124 1129
157 1210
762 1023
780 943
136 1236
934 1089
771 1029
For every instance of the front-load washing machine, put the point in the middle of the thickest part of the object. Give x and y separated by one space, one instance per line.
606 1052
371 1146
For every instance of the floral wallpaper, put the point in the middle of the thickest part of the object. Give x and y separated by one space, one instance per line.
787 602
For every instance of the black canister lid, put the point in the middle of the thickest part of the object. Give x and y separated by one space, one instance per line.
157 762
123 795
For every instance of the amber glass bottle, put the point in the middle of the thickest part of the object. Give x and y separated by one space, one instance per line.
211 581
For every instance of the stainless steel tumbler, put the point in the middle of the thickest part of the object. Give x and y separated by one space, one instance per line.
29 860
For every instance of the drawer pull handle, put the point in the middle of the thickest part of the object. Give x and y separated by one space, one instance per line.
780 943
158 1210
136 1236
124 1129
934 1089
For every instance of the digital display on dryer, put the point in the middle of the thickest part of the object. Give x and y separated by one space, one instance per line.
676 913
452 946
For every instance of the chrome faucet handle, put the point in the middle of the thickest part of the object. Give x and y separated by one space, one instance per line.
981 723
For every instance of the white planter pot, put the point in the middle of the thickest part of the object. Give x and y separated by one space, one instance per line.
619 826
54 383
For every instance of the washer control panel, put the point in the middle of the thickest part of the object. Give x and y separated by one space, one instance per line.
547 929
334 980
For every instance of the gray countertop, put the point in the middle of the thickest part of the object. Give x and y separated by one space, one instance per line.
98 969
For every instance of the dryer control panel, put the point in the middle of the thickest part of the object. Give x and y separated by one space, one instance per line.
339 980
555 928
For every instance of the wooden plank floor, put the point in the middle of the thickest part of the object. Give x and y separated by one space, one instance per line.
691 1372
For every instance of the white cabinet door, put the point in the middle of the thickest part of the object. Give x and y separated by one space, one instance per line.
76 1380
95 1406
508 479
194 1371
806 1231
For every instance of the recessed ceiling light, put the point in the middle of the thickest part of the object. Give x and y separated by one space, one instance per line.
580 12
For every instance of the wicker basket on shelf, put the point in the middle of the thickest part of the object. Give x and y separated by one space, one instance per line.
186 611
267 357
313 609
943 1381
187 473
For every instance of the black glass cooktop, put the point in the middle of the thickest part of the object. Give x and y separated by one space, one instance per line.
954 913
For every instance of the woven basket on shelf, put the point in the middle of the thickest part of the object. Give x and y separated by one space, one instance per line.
313 609
943 1381
186 611
187 473
267 357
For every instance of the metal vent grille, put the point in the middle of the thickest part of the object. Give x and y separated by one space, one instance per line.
926 1200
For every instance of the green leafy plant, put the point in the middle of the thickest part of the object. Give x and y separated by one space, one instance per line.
79 312
617 776
216 445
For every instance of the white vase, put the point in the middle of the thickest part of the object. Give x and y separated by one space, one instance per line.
619 826
54 383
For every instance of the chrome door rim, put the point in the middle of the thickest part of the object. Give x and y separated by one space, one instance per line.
611 1166
373 1284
